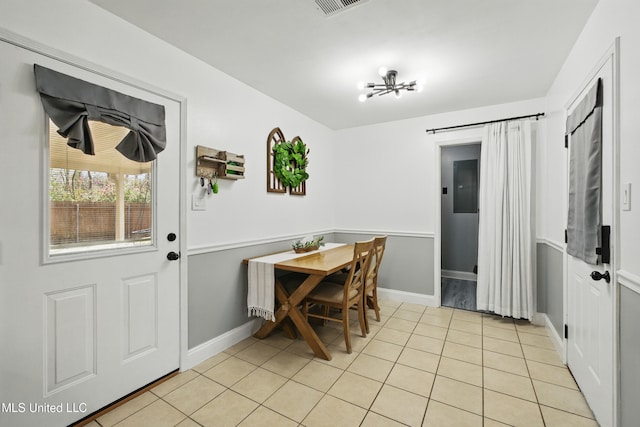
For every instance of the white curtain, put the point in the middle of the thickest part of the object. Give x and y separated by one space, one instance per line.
506 253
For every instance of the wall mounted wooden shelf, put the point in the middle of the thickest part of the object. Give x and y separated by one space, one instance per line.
226 165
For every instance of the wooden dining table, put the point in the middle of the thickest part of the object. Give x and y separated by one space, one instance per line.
317 265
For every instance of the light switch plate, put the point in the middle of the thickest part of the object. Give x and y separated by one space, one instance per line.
626 196
198 203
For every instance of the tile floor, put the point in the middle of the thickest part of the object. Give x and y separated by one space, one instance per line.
419 367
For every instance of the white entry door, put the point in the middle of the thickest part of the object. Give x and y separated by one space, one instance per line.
80 326
590 303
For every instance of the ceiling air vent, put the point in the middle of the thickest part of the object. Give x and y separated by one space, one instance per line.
332 7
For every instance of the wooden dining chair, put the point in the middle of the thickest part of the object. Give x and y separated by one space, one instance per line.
344 296
370 293
371 287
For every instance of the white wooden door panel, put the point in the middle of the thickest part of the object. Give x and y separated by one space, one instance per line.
84 332
70 337
590 305
140 320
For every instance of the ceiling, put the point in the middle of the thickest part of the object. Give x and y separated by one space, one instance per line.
468 53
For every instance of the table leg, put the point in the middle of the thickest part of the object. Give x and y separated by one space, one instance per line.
289 330
300 321
309 334
289 308
286 301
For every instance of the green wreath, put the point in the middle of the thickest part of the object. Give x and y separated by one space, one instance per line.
290 163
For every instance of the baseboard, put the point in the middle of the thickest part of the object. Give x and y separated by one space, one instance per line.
218 344
556 339
410 297
539 319
461 275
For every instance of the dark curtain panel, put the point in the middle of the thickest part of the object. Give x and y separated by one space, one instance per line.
585 176
71 103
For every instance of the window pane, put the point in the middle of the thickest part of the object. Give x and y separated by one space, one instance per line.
97 202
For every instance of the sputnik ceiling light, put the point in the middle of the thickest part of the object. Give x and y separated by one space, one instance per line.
390 85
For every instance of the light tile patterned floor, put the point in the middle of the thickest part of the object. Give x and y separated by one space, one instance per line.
419 367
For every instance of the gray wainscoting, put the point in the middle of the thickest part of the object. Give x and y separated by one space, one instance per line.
407 264
629 359
218 289
549 276
218 280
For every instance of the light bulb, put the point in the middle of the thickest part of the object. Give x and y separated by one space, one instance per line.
362 97
382 71
361 85
398 94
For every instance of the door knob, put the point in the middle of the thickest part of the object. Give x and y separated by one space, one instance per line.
596 275
172 256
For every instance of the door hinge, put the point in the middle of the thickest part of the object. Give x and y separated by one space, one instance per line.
566 236
566 331
566 141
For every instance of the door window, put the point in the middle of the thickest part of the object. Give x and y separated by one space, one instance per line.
97 202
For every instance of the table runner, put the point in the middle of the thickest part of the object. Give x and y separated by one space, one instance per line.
261 292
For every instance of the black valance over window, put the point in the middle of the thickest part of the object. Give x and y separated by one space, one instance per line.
71 103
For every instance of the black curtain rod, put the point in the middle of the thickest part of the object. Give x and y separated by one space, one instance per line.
434 130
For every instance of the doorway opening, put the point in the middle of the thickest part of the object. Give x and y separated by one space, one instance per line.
460 180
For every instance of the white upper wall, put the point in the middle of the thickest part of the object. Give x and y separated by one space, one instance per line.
390 166
610 19
222 113
386 172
